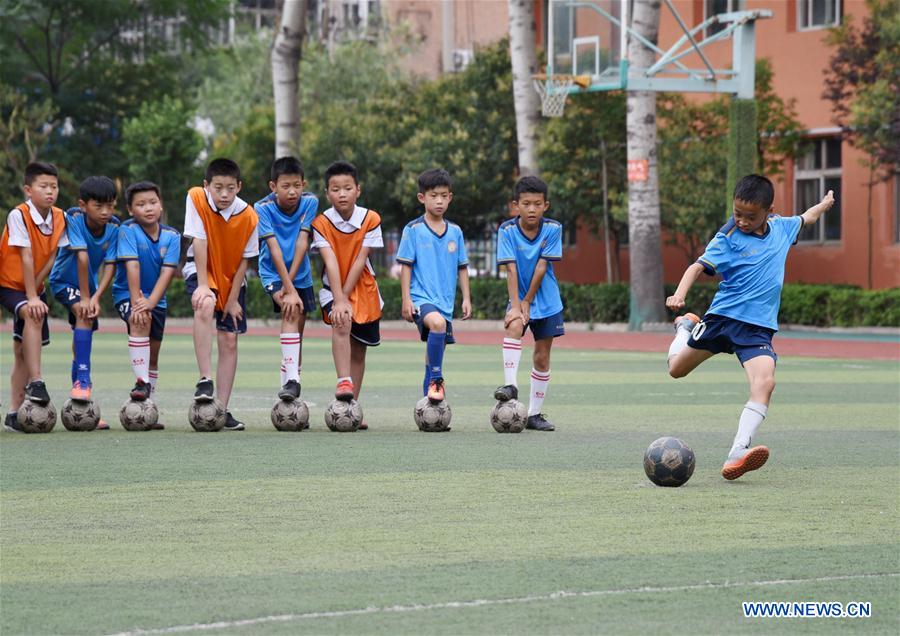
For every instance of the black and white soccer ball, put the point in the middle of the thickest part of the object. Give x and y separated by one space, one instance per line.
207 417
36 418
509 417
138 415
669 462
343 417
80 415
432 418
290 415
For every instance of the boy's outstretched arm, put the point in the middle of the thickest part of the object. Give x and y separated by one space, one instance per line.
407 309
107 271
300 250
466 298
232 304
512 287
290 299
356 270
341 310
83 308
812 215
203 290
691 274
536 279
34 306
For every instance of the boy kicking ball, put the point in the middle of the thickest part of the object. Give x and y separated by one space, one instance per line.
749 252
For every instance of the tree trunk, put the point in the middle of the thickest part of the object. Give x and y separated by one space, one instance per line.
644 235
524 65
286 52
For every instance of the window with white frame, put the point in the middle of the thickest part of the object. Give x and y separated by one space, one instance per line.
818 171
715 7
818 14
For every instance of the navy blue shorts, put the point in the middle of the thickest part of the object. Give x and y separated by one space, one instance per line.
223 322
549 327
68 297
719 334
422 311
368 333
306 295
157 319
12 300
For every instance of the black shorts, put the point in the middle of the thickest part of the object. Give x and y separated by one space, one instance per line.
306 295
157 319
12 300
368 333
422 311
68 297
223 322
719 334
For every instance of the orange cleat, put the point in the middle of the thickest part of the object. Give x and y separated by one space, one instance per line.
752 459
436 391
80 392
102 425
344 391
693 319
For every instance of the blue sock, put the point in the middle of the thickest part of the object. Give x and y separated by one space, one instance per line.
435 350
427 380
83 339
74 371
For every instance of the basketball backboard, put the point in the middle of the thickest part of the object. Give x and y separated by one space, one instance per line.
585 38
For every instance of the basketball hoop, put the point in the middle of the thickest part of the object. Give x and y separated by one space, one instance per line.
554 89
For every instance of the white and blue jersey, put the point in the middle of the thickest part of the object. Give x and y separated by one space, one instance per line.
436 260
286 228
514 247
752 269
152 255
100 249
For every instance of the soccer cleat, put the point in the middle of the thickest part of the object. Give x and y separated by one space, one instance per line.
507 393
436 391
81 392
141 391
363 426
290 391
539 423
745 461
688 320
204 392
232 424
36 391
11 423
344 391
102 425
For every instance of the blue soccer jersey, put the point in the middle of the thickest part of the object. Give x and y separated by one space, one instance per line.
752 269
286 228
151 255
100 249
514 247
435 260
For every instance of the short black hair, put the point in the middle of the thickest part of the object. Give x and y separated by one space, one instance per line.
137 188
530 184
339 168
99 189
222 168
756 189
286 165
434 178
36 169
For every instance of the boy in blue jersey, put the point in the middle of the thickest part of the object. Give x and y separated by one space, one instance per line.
285 217
432 255
148 254
749 252
92 230
527 245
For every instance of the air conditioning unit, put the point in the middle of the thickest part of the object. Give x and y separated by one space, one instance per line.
461 59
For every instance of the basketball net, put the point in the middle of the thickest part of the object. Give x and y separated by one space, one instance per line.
554 90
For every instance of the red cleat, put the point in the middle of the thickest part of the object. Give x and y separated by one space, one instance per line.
80 392
344 391
436 391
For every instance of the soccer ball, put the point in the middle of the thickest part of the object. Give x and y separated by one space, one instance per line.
669 462
290 416
432 418
207 417
509 417
37 418
138 415
343 417
78 415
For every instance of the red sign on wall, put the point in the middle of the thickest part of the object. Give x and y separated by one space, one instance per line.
638 169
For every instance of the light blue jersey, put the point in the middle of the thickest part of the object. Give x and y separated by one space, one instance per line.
286 228
514 247
152 256
752 269
436 261
101 249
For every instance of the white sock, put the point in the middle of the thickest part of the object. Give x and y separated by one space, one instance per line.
154 378
751 417
139 350
682 334
539 382
290 356
299 372
512 352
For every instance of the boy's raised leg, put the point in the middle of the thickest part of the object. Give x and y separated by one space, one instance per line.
203 333
35 389
82 340
340 352
682 358
437 342
512 353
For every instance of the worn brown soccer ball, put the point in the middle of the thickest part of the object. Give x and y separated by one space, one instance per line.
207 417
343 417
138 415
290 415
37 418
509 417
80 415
432 418
669 462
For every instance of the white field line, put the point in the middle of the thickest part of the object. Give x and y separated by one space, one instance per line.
555 596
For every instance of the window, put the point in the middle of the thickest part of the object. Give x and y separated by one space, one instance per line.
715 7
818 14
817 172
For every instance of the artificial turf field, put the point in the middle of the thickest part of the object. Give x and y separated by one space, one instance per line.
395 531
